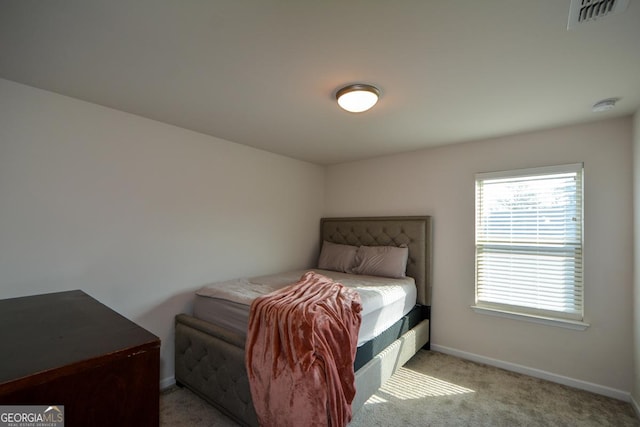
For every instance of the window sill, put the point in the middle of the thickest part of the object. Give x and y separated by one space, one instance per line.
562 323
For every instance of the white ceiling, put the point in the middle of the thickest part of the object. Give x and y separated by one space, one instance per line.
264 73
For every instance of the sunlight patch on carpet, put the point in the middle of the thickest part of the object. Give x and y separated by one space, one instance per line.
407 384
376 399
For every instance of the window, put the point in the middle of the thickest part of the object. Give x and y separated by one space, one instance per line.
529 242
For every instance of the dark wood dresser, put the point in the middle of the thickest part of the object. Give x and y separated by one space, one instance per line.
68 349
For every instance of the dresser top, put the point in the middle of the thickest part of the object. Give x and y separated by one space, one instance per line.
43 333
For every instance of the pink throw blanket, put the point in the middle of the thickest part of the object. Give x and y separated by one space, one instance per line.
300 350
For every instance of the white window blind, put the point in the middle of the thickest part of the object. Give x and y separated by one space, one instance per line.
529 241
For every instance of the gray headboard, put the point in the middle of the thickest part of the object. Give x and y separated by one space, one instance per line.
413 231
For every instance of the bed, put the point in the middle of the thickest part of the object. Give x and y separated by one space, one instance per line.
210 357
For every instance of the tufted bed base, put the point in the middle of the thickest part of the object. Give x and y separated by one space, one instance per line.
209 360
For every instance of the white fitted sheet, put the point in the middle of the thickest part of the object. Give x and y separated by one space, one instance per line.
384 300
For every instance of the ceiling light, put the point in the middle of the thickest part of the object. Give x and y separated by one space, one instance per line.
357 98
604 105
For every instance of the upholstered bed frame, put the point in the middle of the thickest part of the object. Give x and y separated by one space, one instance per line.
209 360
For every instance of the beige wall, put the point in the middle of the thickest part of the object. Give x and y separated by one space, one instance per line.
636 299
139 213
440 182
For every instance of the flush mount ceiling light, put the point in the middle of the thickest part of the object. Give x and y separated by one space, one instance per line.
357 98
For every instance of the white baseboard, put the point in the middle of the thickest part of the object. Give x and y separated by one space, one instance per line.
537 373
167 382
635 405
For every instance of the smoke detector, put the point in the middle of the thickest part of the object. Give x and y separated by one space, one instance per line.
604 105
582 11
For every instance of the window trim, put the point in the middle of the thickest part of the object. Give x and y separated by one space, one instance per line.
542 320
525 313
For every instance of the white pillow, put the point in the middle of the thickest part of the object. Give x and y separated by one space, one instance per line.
336 257
386 261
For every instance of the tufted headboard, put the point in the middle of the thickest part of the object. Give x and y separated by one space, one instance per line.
414 231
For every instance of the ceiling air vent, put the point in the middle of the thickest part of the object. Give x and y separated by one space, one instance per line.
582 11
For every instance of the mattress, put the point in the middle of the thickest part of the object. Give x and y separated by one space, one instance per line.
384 300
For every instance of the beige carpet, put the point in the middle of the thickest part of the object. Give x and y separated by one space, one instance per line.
434 389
